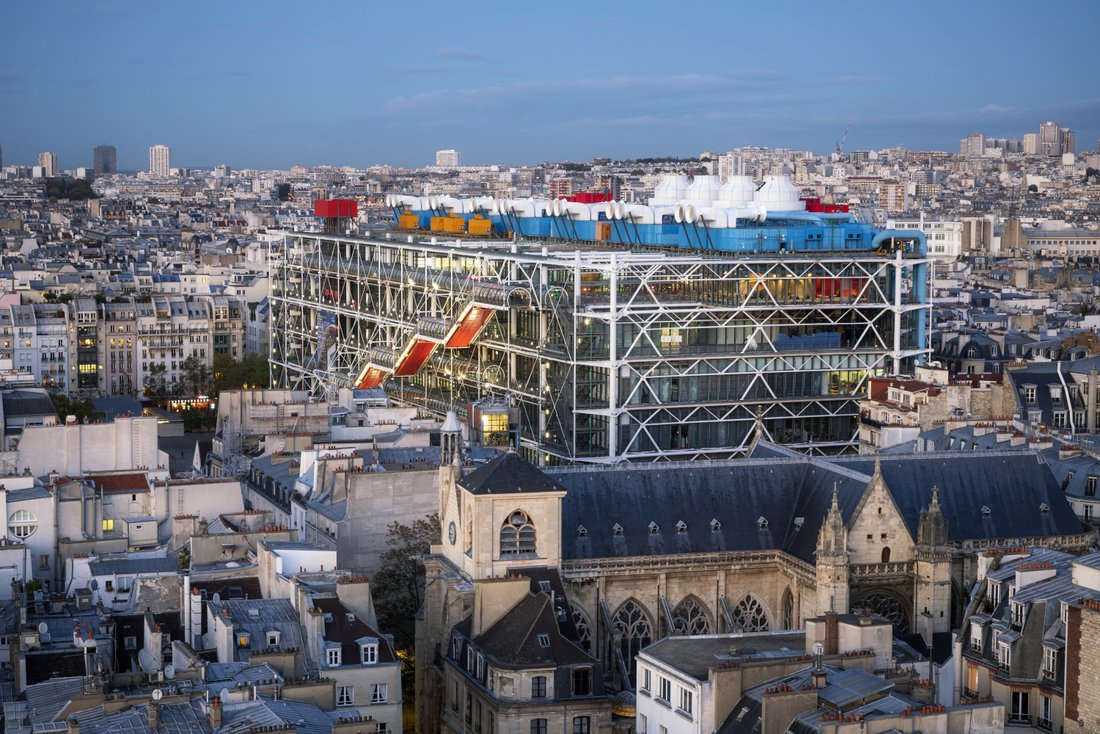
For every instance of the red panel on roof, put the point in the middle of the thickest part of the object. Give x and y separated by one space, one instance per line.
336 208
414 358
589 197
373 377
469 326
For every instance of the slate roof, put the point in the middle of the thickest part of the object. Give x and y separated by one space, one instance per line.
508 473
115 566
779 503
346 632
513 641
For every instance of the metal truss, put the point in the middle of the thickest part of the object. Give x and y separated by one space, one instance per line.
606 353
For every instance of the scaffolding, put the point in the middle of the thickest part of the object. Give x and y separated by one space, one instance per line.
606 353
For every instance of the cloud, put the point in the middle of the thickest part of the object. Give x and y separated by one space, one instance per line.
460 53
995 109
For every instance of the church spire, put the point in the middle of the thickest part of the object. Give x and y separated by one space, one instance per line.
833 538
932 530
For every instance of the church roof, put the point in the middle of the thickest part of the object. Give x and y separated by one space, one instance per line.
506 474
780 502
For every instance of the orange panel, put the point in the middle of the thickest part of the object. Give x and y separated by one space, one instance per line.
469 326
414 358
372 377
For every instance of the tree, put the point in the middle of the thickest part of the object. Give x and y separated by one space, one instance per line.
82 408
196 375
398 587
156 382
229 374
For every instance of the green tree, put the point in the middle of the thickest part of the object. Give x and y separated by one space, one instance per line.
82 408
398 587
156 382
196 375
231 374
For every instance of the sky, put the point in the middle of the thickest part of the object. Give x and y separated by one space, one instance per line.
273 84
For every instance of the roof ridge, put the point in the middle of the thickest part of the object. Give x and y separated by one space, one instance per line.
536 616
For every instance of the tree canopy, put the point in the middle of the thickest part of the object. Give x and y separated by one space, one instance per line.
398 588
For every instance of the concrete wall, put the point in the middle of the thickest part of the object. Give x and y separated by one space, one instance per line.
125 444
376 499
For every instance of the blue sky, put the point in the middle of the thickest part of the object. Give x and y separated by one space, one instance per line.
273 84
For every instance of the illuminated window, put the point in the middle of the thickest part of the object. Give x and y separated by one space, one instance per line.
108 525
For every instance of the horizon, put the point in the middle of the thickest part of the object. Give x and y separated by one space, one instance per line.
268 90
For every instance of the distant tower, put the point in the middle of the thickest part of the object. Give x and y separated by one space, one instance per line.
933 567
1050 139
447 158
48 161
104 159
832 561
160 160
1 157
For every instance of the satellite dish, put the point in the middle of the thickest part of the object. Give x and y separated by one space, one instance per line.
145 660
216 598
169 671
157 694
43 628
819 649
93 585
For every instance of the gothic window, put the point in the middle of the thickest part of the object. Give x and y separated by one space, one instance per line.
631 625
690 618
749 616
886 554
517 535
788 610
584 631
889 607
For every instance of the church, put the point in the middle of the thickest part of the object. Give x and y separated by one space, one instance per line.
631 554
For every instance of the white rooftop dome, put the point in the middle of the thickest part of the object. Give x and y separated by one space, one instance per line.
670 190
704 190
778 194
737 191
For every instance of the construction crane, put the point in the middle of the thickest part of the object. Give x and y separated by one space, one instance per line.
840 143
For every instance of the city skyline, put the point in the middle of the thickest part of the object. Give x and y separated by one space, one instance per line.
287 87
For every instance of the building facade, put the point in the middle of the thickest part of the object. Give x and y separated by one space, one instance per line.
160 160
667 347
104 160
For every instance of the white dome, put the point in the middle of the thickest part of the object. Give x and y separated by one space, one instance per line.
737 191
670 190
704 190
778 194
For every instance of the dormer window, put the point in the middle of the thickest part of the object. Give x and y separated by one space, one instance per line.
543 640
976 638
272 638
368 650
1090 485
761 522
244 639
617 529
681 527
654 528
1050 662
986 512
332 657
715 526
582 531
1017 614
